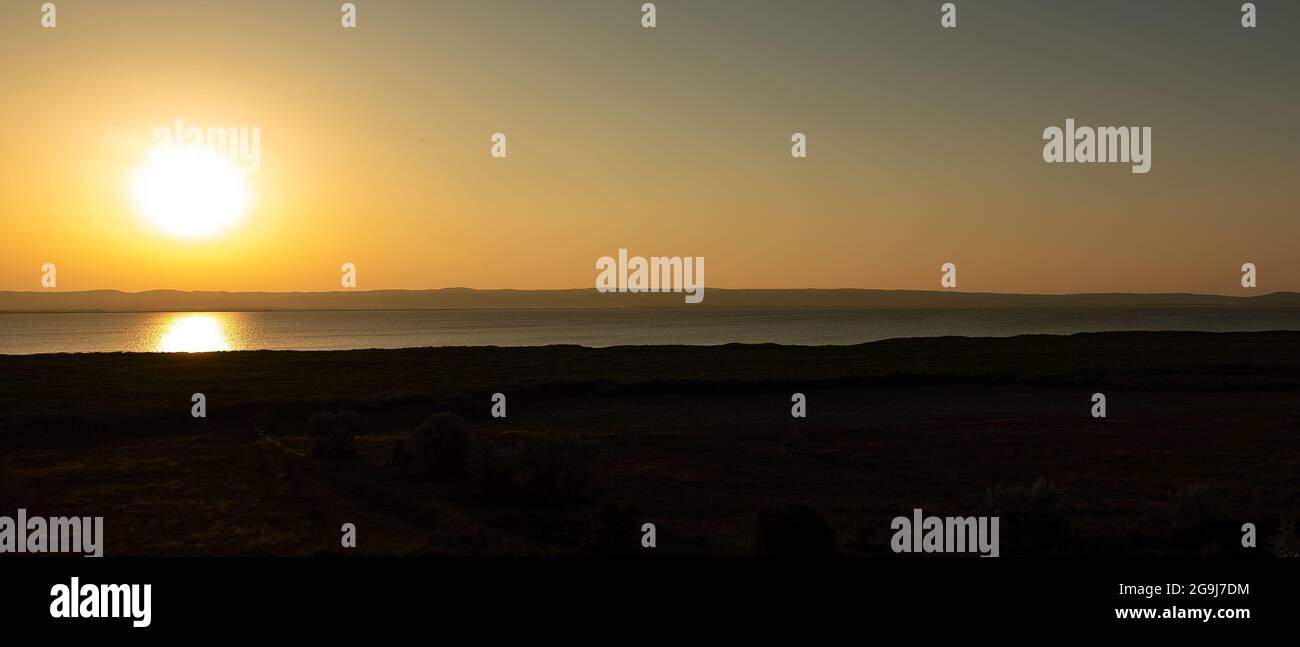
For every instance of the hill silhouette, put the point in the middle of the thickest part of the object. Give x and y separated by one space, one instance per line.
466 298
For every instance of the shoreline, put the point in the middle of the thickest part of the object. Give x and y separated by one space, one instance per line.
1119 334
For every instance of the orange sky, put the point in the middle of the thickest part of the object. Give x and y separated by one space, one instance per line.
924 144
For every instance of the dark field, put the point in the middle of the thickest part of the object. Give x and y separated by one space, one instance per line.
1202 435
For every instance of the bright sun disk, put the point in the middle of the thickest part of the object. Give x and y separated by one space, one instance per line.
189 193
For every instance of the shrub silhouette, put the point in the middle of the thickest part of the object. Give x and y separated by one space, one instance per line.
793 440
8 485
1285 545
334 433
552 468
614 528
794 529
1033 513
442 447
400 456
490 469
1198 515
537 466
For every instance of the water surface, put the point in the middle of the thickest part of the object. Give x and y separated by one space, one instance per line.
23 333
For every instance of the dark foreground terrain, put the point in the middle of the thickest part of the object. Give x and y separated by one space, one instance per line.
1202 435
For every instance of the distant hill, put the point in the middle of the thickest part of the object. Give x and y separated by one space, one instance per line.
464 298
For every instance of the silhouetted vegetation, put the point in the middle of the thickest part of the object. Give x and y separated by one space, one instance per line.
795 529
614 529
1199 518
334 433
8 485
401 457
442 447
1028 515
689 435
552 468
1285 544
539 466
793 440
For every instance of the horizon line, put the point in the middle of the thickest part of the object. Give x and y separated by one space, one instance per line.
588 289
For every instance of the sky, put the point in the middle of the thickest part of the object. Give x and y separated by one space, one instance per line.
924 143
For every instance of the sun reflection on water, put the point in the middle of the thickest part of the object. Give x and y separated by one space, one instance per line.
193 334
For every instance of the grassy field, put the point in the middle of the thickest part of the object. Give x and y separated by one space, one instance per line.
1202 435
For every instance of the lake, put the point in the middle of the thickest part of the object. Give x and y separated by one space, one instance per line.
26 333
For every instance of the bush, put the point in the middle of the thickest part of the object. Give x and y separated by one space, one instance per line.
443 447
615 529
1196 512
538 466
8 485
794 440
1286 545
488 468
1031 513
334 433
795 529
1199 519
400 456
552 468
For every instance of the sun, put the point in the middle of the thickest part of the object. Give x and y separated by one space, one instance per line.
189 193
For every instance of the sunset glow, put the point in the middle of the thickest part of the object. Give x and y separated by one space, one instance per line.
924 147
